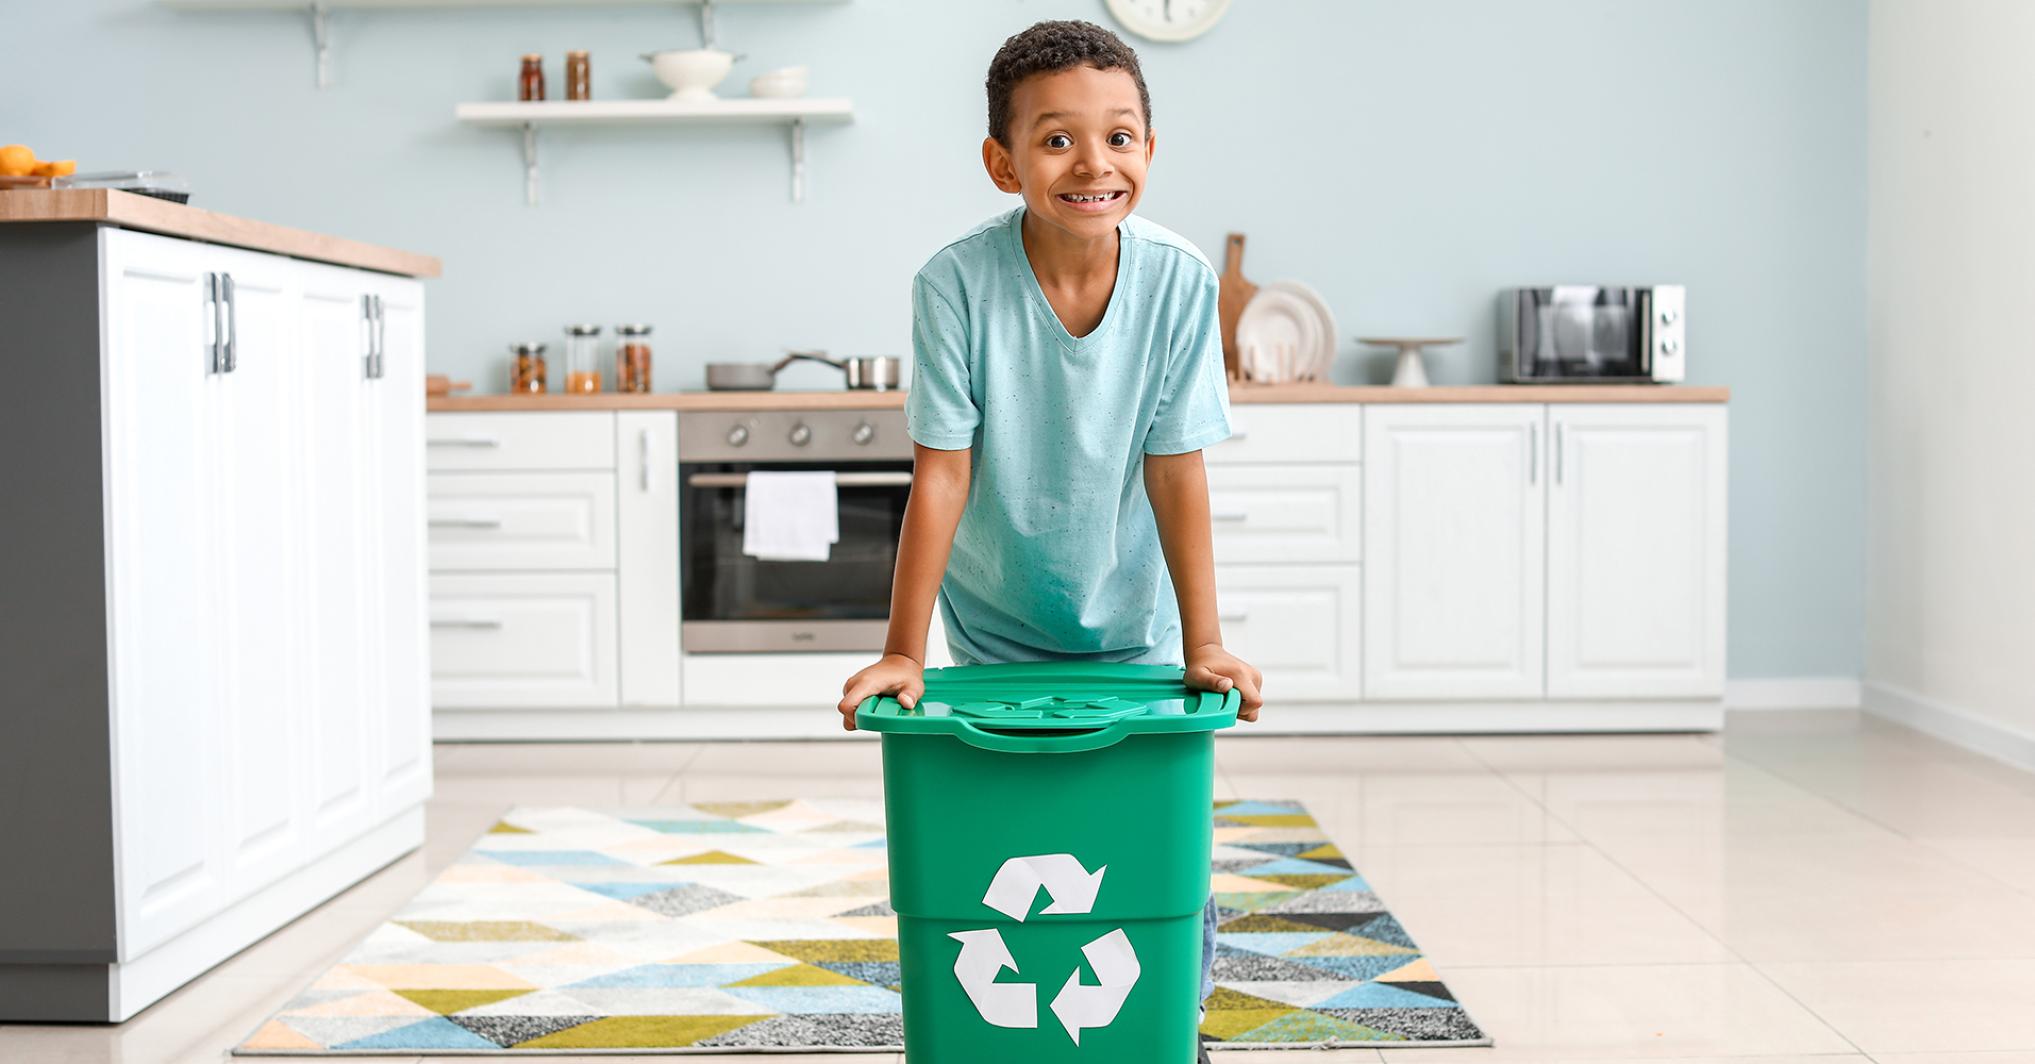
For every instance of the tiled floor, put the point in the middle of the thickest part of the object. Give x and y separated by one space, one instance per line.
1806 887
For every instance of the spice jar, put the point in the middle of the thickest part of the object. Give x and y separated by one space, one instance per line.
578 76
632 358
530 85
582 347
526 373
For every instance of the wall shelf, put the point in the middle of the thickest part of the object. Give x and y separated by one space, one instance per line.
795 113
321 10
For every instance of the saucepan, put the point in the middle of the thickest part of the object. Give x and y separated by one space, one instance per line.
864 373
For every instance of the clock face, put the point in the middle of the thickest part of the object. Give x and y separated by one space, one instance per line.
1168 20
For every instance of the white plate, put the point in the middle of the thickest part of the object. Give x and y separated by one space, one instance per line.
1291 316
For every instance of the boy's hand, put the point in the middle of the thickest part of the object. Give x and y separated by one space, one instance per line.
896 675
1211 668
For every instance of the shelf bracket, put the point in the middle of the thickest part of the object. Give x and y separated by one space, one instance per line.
707 23
798 160
529 164
321 39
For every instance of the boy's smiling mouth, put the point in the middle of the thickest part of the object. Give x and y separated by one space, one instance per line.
1093 201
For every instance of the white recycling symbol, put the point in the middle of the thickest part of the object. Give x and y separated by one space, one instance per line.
983 953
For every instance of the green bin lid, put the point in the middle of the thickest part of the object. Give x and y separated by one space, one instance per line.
1054 697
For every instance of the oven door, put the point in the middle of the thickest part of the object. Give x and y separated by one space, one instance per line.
733 603
1582 332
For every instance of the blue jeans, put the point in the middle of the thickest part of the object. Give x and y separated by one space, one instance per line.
1208 949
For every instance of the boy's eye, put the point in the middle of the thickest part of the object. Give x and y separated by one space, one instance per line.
1059 140
1125 143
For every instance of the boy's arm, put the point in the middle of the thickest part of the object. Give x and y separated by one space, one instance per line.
939 493
1178 487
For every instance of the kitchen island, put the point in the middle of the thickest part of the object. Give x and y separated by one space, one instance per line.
214 635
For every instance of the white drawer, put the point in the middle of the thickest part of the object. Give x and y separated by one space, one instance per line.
490 521
1298 626
1270 513
523 640
1291 432
515 442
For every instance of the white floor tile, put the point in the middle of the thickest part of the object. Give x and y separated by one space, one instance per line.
1921 1007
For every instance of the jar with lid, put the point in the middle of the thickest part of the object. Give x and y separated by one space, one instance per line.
530 84
632 358
526 373
578 76
582 350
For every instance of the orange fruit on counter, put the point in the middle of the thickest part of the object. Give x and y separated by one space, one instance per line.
56 168
16 160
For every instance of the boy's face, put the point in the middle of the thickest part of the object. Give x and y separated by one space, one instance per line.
1075 132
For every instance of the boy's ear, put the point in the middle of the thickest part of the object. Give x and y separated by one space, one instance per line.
1002 168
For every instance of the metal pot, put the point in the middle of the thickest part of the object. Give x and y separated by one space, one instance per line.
864 373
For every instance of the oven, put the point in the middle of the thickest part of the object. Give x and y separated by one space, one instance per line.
733 603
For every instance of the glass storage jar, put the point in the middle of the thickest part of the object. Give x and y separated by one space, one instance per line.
582 351
632 358
530 82
578 76
526 373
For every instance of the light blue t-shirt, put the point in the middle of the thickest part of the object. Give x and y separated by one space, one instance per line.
1057 554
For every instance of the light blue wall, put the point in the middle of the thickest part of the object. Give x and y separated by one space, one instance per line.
1405 158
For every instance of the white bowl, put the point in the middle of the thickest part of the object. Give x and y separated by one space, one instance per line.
779 84
691 74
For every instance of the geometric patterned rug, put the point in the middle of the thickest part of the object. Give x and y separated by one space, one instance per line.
765 926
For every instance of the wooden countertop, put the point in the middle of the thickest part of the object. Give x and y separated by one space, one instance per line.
132 211
1239 394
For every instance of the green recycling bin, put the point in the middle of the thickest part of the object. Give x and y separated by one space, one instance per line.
1049 844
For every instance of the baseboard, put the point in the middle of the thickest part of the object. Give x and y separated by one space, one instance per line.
1952 724
1793 692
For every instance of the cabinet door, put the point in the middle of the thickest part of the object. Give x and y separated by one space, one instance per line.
401 694
1636 549
337 680
1298 624
1454 528
160 394
523 641
261 630
646 492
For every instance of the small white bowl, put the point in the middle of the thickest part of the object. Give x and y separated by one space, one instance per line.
692 73
779 84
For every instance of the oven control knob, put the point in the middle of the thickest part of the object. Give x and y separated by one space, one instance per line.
801 435
864 433
738 435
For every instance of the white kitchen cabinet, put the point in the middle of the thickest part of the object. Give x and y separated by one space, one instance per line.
515 521
646 476
523 640
264 738
1454 530
520 443
1290 434
1300 625
1635 551
1286 513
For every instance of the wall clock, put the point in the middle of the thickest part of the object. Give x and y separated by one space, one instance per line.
1168 20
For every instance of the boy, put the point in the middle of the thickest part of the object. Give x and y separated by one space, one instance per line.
1068 371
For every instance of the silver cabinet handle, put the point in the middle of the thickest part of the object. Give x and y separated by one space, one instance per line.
465 522
462 441
381 339
643 458
846 480
215 325
1237 516
367 326
231 356
481 623
1561 434
1533 455
1234 615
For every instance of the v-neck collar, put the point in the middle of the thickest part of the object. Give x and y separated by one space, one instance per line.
1038 291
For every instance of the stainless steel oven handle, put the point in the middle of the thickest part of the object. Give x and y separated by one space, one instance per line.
846 480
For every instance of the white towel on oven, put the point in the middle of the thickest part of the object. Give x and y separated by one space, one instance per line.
791 516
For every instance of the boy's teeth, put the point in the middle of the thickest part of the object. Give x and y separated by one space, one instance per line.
1089 199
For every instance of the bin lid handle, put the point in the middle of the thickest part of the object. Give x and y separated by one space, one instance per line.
1004 742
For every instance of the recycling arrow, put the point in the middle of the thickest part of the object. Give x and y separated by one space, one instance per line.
983 955
1116 967
1072 887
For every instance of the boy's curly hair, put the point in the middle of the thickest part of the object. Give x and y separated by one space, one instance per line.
1053 46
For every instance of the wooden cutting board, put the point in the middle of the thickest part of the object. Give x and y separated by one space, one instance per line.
1235 294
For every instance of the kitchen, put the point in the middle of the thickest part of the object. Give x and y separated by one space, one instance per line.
1470 493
